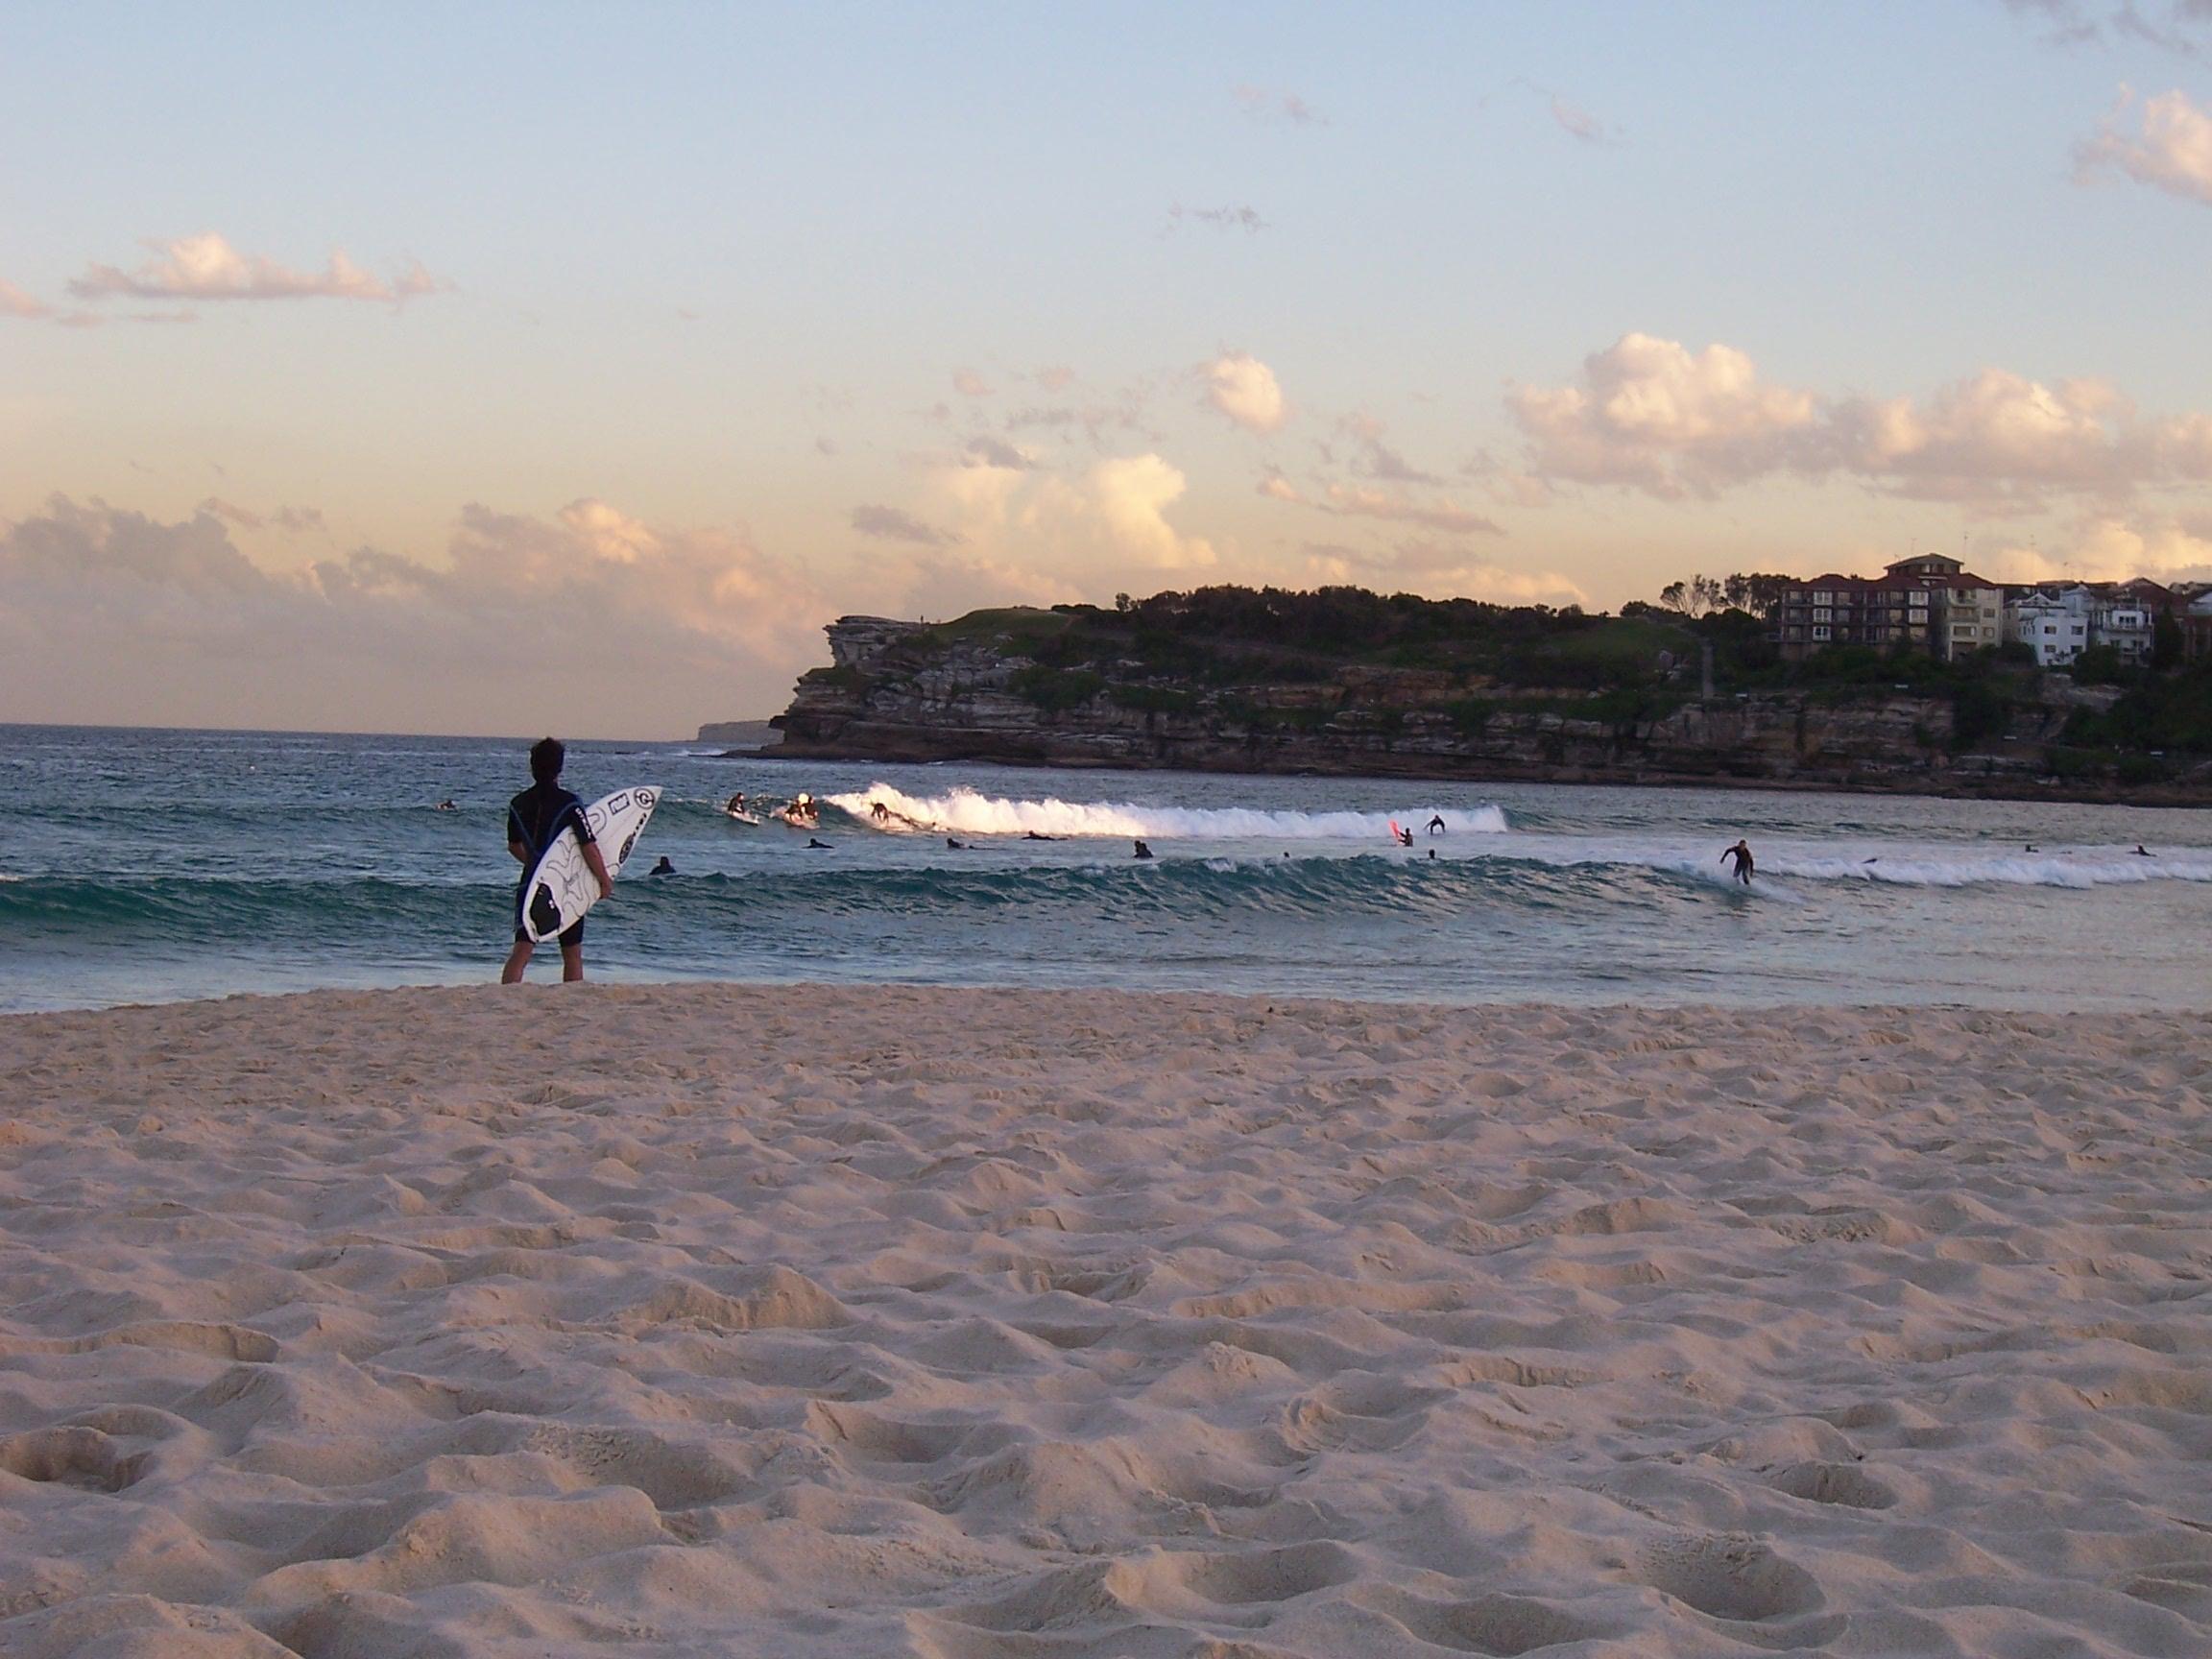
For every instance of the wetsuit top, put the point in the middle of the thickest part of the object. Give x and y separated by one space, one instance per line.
538 815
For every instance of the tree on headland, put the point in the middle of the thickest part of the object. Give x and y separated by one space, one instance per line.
1701 594
1694 598
1760 592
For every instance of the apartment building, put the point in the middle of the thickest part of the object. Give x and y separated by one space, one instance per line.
1973 607
1926 603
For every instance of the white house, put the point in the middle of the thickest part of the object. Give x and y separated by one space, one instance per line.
2055 621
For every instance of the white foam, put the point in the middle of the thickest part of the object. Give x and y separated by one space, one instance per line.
966 811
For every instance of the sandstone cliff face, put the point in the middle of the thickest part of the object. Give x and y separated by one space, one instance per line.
901 691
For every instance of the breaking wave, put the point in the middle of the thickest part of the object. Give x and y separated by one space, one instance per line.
967 811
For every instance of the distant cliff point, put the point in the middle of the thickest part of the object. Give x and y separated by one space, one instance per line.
1349 682
741 734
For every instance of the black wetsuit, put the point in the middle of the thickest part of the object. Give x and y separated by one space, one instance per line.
536 817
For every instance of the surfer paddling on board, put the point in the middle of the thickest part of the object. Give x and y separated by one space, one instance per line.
535 819
1742 853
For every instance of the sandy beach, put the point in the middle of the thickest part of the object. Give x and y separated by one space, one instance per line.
707 1319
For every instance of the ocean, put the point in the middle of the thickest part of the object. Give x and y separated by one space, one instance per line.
152 866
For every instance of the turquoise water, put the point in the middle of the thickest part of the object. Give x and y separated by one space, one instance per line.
148 866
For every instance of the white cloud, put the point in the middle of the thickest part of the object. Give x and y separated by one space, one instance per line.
611 535
1131 495
970 384
1051 536
2106 548
1649 415
2002 435
208 268
1244 389
2173 151
1653 414
591 622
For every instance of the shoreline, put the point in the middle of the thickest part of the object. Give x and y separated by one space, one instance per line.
865 1321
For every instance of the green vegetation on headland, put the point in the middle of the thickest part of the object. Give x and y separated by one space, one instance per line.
1342 678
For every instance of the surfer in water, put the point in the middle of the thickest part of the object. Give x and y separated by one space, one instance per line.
664 867
1142 852
1742 853
736 803
1404 838
817 846
533 819
1437 825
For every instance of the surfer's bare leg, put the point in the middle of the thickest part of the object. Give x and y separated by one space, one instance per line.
572 963
517 959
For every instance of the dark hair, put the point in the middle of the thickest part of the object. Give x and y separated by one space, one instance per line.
546 755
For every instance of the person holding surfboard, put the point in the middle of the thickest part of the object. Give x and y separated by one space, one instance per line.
535 820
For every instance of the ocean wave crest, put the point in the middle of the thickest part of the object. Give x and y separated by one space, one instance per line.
965 811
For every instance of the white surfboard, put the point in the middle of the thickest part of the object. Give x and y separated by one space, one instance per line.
740 814
561 886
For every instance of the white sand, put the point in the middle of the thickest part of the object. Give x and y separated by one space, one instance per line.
712 1320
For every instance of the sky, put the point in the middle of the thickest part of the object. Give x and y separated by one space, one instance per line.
484 368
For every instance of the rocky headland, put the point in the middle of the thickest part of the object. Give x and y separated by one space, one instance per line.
1009 687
